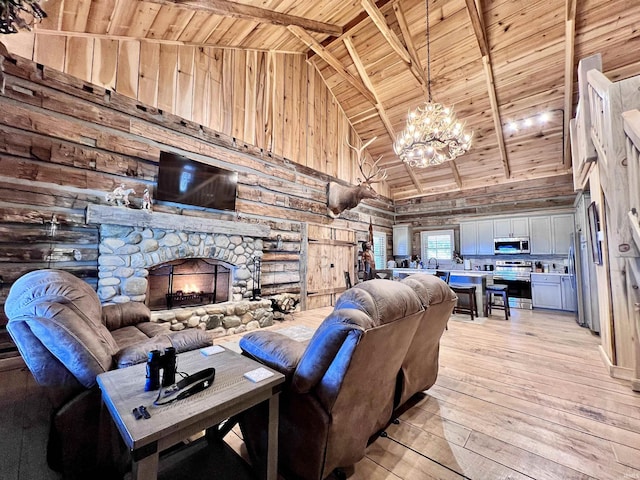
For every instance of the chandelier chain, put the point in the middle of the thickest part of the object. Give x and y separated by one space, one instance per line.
432 135
428 53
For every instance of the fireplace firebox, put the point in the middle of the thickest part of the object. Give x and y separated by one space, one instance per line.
188 282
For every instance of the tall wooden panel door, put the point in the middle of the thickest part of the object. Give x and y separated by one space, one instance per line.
327 253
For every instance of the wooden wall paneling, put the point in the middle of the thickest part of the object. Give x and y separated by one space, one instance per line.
238 85
312 134
250 97
227 91
268 102
128 68
50 50
201 87
262 99
287 126
215 88
301 113
279 92
21 43
167 73
105 63
185 82
79 58
148 73
322 163
331 138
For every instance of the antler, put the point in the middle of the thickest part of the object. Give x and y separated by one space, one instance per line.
373 171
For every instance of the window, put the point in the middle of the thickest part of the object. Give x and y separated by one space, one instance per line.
437 244
380 250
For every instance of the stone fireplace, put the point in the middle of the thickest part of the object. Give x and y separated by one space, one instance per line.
143 256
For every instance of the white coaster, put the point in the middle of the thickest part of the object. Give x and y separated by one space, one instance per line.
258 374
212 350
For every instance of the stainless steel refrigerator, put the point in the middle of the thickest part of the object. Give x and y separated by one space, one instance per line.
583 274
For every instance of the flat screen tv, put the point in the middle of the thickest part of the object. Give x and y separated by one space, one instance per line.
186 181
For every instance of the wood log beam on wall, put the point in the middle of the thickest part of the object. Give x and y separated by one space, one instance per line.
474 7
357 61
394 42
323 53
255 14
569 73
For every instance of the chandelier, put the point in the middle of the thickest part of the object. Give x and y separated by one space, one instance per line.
432 134
19 14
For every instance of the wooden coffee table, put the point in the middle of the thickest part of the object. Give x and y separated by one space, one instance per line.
230 394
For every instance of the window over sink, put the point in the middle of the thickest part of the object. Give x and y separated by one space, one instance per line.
438 244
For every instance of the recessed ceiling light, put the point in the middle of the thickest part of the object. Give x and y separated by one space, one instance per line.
544 117
513 126
528 122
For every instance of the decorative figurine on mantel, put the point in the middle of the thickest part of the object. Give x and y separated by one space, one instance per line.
120 196
147 202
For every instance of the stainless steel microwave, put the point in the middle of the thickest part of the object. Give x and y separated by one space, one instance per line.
511 245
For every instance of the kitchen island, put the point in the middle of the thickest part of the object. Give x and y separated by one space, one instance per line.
457 277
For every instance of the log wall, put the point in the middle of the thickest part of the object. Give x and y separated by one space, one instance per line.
277 102
65 142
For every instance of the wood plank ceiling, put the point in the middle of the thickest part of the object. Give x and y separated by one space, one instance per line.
496 61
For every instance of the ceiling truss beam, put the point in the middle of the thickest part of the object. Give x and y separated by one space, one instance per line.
474 7
569 71
255 14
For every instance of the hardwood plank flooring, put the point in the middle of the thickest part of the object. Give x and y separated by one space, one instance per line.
527 398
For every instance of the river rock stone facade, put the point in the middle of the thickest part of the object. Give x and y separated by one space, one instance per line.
126 253
219 319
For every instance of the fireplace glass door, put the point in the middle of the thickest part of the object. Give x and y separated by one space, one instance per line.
188 282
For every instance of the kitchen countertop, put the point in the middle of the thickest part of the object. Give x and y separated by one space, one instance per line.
549 273
462 273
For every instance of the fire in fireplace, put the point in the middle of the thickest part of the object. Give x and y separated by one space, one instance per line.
188 282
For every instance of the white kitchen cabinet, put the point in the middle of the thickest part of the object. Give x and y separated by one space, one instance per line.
562 226
468 238
402 240
511 227
485 237
568 294
540 240
546 291
476 238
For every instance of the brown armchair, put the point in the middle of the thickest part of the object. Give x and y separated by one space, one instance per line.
341 385
420 366
66 338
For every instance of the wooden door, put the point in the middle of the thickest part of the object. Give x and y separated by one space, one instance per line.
327 254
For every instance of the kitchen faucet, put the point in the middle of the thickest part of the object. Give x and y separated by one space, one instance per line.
429 262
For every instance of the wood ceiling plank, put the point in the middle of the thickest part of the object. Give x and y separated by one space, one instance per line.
255 14
121 17
75 15
200 28
100 16
169 23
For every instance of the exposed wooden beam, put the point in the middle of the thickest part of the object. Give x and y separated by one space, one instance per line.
42 31
569 71
357 61
323 53
394 42
408 41
474 7
255 14
456 173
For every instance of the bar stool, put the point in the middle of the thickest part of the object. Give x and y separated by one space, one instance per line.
500 290
471 307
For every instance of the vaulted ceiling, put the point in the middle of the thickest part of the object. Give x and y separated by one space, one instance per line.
500 63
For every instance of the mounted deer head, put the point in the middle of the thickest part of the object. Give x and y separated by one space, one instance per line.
341 198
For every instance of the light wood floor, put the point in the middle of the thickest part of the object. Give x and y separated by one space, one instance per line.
527 398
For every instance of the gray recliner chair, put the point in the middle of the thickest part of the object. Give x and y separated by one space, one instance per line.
341 385
67 338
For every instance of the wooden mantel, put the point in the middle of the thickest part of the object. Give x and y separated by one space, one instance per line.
103 214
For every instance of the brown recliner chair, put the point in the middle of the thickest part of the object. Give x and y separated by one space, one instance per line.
341 385
420 366
67 338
